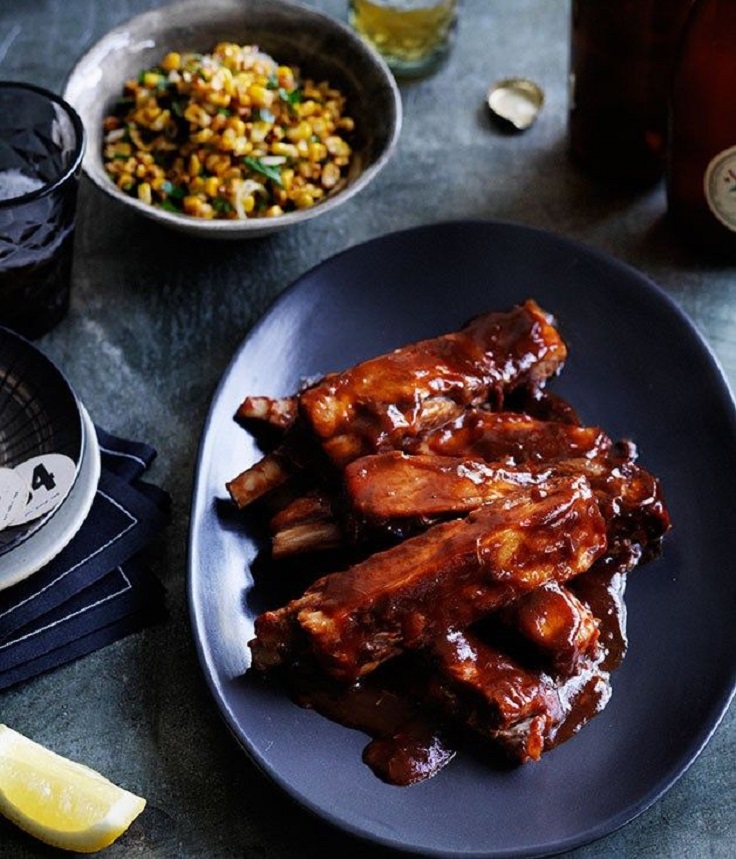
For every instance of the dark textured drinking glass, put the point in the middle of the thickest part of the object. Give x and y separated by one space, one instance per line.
41 147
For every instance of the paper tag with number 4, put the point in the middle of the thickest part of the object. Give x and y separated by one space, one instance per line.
13 497
49 478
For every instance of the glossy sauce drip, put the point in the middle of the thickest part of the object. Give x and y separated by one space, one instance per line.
407 740
411 741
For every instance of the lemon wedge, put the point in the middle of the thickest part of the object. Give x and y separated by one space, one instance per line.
58 801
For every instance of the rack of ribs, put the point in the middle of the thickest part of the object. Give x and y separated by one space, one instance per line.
447 577
489 536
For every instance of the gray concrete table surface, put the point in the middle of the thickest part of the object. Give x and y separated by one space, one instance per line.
154 321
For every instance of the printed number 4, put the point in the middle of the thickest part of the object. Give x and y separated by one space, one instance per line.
42 478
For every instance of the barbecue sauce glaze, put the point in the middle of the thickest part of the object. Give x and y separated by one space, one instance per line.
411 742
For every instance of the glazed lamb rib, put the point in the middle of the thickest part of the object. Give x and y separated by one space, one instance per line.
399 494
463 679
507 438
381 403
521 709
445 578
386 401
512 438
561 629
390 488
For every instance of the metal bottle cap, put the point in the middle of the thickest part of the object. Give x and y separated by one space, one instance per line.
516 102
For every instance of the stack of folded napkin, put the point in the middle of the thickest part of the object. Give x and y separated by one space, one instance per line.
97 588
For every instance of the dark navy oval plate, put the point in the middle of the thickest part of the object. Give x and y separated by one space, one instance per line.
636 367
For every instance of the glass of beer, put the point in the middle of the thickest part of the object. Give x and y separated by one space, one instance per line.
413 36
41 146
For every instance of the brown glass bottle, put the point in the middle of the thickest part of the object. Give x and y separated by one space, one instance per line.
621 59
701 163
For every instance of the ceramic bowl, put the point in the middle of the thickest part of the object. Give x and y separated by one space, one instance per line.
322 47
42 439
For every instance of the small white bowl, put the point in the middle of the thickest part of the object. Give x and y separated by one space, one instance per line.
40 426
322 47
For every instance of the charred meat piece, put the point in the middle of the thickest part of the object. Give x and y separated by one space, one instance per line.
380 403
523 710
413 705
512 438
542 404
448 577
392 486
562 629
388 489
484 688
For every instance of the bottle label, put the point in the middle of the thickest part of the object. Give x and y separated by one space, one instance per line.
719 185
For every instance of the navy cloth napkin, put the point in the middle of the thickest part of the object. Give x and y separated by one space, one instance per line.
97 589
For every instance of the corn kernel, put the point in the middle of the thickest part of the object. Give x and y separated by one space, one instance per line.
303 200
337 146
320 126
287 149
144 193
259 132
285 77
260 96
211 186
192 205
171 62
330 175
302 131
317 151
203 136
227 140
307 108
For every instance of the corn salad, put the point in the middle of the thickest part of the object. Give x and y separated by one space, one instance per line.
230 134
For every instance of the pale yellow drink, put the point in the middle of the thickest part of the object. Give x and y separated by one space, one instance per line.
412 35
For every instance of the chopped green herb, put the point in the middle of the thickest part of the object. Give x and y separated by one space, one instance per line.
174 192
169 206
224 111
270 171
273 82
291 98
221 205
